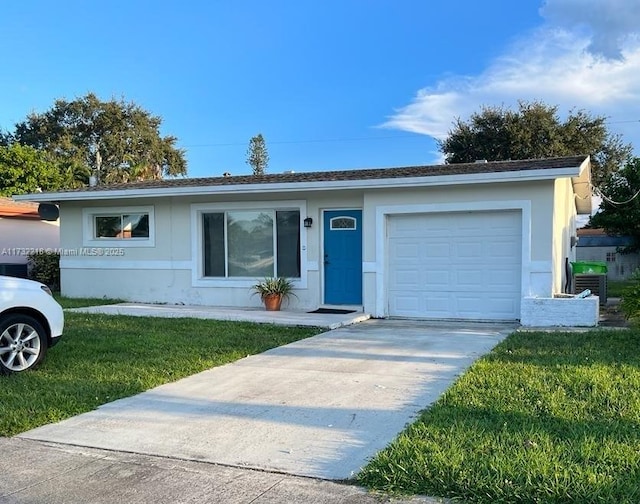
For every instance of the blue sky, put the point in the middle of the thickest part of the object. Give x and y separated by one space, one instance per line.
331 84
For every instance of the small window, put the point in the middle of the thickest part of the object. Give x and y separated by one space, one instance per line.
611 257
121 226
342 223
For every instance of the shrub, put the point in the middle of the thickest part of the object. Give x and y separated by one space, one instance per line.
45 267
630 304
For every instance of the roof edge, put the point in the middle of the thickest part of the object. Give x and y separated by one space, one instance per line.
573 172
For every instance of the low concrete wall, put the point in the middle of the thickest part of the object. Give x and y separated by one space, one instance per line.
560 312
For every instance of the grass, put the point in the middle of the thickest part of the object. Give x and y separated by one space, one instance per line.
544 418
102 358
67 302
615 288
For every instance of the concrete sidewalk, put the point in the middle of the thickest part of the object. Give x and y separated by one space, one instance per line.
320 407
32 472
258 315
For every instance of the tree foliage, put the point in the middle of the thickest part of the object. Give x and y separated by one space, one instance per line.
114 140
257 155
535 131
25 170
619 212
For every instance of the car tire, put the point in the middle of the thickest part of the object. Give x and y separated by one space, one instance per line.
23 343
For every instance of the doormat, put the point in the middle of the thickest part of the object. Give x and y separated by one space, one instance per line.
331 310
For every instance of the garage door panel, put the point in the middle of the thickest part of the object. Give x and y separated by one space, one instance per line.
407 250
407 279
437 250
460 265
472 279
504 248
406 304
436 279
467 249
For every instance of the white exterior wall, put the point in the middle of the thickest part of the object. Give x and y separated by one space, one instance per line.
164 272
27 234
564 227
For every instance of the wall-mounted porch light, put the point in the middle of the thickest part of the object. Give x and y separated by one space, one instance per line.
308 222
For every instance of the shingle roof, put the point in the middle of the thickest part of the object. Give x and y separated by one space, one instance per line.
355 175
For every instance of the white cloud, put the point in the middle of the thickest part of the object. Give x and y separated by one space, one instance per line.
609 22
552 64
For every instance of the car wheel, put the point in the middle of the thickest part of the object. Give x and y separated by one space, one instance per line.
23 343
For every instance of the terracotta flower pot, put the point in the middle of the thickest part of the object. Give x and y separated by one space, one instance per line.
272 302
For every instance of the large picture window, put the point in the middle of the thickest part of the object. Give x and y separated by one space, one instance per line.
251 243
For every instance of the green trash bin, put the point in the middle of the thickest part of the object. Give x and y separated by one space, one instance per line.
592 268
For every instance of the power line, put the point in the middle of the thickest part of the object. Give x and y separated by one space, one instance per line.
623 122
324 140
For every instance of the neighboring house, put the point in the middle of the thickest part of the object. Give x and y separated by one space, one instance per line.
597 245
461 241
22 232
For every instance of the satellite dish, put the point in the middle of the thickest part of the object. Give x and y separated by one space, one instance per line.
48 211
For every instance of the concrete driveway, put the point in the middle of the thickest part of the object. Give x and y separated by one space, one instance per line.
320 407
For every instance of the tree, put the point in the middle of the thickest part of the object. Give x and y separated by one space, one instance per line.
535 131
25 170
114 140
619 212
257 155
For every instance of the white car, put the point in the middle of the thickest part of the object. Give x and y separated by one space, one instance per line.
31 321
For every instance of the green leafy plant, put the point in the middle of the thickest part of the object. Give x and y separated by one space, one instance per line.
45 267
269 286
630 304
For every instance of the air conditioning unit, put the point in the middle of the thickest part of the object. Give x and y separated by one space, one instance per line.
597 284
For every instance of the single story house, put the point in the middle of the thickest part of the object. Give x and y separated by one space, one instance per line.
597 245
475 241
22 232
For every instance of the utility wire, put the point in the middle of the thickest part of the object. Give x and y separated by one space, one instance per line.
325 140
598 192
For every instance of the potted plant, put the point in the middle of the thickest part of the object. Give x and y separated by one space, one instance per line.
273 290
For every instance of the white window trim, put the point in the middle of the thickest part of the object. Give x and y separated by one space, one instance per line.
88 227
197 209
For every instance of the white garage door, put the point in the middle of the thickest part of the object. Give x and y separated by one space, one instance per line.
458 265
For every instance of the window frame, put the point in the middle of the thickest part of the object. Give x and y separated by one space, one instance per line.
89 238
343 217
197 237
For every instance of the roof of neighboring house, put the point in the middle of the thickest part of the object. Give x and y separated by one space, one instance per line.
18 209
575 167
597 237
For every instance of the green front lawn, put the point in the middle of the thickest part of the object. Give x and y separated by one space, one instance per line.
102 358
544 418
67 302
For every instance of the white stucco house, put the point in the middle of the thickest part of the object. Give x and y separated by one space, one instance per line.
479 241
22 232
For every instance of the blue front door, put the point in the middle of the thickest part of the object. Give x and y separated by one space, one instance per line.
343 257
